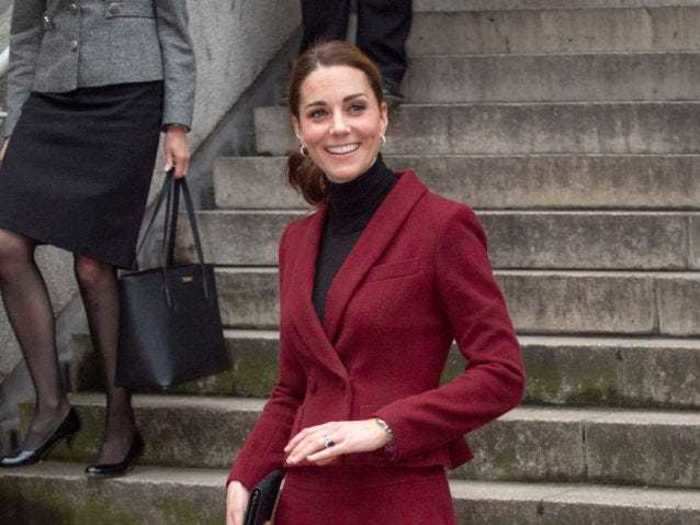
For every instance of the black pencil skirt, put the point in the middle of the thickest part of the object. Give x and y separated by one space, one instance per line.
78 168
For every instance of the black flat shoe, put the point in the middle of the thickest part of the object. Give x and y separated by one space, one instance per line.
66 430
110 470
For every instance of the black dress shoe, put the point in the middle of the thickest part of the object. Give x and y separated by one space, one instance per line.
110 470
66 430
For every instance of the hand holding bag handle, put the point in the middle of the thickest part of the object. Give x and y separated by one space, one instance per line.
170 325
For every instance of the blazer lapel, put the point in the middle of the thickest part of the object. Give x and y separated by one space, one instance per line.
306 320
381 229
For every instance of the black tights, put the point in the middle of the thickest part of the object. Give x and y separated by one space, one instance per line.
29 310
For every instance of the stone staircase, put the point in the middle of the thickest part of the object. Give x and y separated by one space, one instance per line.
572 127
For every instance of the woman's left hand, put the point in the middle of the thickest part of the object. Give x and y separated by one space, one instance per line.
313 444
177 151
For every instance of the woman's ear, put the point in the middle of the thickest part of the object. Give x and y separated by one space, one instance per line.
297 128
384 110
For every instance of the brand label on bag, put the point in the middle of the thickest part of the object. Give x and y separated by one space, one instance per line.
187 279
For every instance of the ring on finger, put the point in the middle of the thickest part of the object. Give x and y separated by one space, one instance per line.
327 441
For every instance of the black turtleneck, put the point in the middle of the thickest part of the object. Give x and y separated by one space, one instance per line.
350 208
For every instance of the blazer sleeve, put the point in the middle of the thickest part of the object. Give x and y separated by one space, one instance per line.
25 41
179 69
263 450
493 381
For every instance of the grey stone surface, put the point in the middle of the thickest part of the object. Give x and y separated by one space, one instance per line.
553 78
601 505
233 43
252 374
694 236
647 448
543 30
253 183
586 240
540 302
497 503
562 371
518 240
515 448
528 128
195 496
527 182
530 444
60 494
612 371
179 431
561 302
248 298
678 304
487 5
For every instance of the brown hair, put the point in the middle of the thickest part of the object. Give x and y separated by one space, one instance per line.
303 174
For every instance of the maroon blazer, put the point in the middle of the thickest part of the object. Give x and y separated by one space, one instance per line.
417 279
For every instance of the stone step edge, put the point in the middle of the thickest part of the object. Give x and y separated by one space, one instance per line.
532 339
301 212
496 491
278 158
549 54
671 274
587 103
525 413
548 340
458 6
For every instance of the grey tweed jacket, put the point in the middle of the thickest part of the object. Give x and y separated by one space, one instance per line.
61 45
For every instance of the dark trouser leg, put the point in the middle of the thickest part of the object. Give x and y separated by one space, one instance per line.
382 30
324 20
98 288
29 310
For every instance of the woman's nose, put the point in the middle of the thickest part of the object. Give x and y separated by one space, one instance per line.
339 123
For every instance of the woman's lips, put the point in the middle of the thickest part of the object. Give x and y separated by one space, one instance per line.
345 149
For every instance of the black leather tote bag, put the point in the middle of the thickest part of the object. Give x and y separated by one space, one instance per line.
169 324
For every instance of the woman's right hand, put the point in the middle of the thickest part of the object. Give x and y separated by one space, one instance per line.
237 497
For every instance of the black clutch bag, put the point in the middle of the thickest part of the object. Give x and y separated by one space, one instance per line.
169 325
263 498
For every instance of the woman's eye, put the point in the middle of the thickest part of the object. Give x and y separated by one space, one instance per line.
357 108
317 114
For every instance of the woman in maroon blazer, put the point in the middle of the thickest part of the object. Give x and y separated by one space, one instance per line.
374 287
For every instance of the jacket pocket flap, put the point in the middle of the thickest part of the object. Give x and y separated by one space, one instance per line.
130 8
394 270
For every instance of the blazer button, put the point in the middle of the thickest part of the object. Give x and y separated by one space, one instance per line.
74 45
73 7
113 9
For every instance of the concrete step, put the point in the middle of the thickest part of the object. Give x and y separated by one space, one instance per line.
573 371
540 302
656 448
517 239
519 128
452 78
515 26
529 182
152 495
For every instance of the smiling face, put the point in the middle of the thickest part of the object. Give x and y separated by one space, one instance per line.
340 121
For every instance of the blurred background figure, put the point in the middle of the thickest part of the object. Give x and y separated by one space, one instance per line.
382 29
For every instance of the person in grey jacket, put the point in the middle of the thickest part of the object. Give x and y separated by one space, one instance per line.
92 83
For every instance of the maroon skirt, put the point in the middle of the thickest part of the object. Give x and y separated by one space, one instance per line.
360 495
